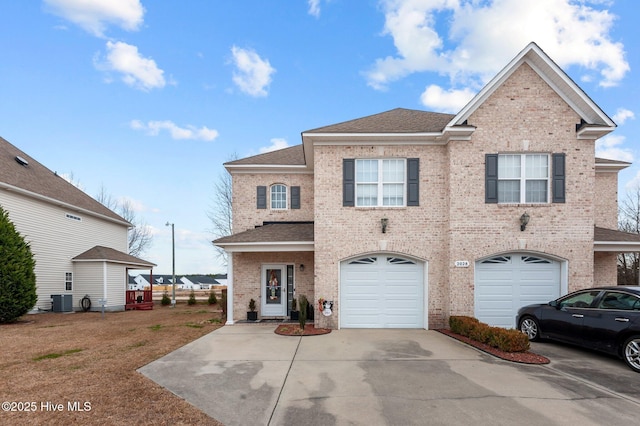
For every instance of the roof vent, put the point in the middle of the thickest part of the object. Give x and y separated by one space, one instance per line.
22 161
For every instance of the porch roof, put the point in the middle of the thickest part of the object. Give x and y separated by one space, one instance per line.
614 240
107 254
270 237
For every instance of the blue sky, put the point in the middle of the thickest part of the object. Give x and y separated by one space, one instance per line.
149 98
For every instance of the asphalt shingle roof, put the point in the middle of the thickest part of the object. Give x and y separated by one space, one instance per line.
291 156
112 255
399 120
274 232
36 178
612 235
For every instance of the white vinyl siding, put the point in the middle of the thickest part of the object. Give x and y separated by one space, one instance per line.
55 240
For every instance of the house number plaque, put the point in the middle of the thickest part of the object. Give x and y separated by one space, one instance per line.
461 263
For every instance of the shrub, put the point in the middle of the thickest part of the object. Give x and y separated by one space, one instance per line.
166 300
212 298
303 311
17 272
294 304
507 340
252 305
192 298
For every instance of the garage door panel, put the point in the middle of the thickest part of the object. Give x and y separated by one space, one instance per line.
382 292
508 282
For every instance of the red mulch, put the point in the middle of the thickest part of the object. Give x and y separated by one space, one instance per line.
295 330
521 357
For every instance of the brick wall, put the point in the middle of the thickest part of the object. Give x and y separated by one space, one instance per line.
245 213
453 222
247 271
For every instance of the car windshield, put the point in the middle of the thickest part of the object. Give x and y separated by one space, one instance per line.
579 300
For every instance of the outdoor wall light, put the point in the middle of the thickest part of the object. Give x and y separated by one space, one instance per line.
301 267
384 222
524 221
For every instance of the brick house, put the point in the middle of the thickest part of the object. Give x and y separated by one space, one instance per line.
406 217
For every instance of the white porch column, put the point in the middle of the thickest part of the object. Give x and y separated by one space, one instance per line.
229 288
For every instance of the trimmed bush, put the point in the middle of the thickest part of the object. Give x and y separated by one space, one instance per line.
507 340
192 298
17 272
212 298
166 300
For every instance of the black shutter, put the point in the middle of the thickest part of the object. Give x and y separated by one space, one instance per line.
261 196
558 182
491 178
348 182
413 181
295 197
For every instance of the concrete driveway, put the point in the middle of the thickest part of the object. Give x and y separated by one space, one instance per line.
246 374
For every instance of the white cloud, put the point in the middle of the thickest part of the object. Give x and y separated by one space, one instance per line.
252 74
276 143
153 128
94 16
470 41
610 147
314 8
137 71
441 100
623 115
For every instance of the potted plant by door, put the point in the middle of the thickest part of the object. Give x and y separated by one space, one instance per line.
252 315
294 310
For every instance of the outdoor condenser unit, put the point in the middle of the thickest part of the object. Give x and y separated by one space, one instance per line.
62 302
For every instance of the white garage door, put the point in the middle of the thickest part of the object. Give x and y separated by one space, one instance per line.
506 283
382 291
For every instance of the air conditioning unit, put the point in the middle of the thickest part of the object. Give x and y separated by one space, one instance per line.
62 302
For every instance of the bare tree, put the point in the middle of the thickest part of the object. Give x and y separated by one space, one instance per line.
220 212
139 236
629 221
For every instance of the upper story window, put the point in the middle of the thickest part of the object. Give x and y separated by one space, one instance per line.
380 182
523 178
278 197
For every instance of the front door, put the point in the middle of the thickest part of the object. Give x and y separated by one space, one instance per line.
274 291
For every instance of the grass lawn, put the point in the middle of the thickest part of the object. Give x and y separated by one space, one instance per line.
80 368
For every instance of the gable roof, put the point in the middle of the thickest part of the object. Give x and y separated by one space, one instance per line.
399 120
34 180
107 254
595 122
286 160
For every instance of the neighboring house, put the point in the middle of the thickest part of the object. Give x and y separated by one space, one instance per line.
195 282
79 245
404 218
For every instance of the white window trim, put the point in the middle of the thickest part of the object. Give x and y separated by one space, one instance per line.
68 281
523 180
286 194
380 183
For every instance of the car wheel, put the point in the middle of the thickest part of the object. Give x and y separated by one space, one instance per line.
530 327
631 353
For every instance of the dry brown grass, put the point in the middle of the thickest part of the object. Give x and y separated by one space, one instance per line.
96 363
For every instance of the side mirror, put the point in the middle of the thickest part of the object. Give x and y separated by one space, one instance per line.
554 304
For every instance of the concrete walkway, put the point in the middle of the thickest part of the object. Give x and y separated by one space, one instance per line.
246 374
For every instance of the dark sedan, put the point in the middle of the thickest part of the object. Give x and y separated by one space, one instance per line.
602 318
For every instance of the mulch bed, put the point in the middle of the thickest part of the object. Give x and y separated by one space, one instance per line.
295 330
520 357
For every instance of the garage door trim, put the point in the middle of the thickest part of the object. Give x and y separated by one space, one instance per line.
397 259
